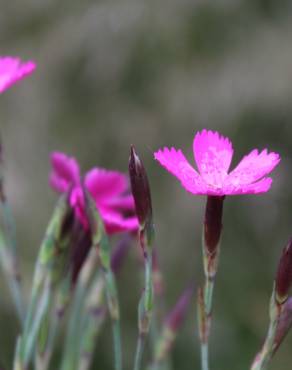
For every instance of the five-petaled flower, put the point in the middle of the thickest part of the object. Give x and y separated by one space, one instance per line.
108 189
12 69
213 154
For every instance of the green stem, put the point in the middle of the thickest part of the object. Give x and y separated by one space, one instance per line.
74 330
139 352
9 266
264 356
204 356
117 344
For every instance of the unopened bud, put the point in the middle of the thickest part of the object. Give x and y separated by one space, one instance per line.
120 252
284 274
175 318
213 222
140 188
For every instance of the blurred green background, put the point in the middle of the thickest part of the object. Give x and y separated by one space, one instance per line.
151 73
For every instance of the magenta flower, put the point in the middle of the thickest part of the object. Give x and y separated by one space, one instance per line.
12 70
108 188
213 154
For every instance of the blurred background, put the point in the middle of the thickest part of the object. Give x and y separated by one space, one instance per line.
152 73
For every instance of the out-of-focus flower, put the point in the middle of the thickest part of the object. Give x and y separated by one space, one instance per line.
213 154
12 69
108 189
175 318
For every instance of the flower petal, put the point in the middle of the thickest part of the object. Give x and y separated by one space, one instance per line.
13 70
176 163
213 154
125 202
253 167
115 224
65 171
261 186
104 184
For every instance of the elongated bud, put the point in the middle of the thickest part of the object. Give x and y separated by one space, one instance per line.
175 318
284 325
140 188
213 222
284 274
119 253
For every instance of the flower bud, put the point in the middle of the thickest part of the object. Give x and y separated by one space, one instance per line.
175 318
213 222
140 188
284 274
120 252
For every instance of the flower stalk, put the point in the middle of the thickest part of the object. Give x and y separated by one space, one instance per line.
8 248
101 243
142 197
171 326
48 274
280 311
211 246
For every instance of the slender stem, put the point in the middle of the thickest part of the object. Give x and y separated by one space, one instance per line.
117 344
101 243
139 351
10 265
205 304
263 358
204 356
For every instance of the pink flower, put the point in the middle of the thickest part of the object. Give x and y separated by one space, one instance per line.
13 70
213 154
106 187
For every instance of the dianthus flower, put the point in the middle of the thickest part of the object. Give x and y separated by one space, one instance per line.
213 154
12 69
107 188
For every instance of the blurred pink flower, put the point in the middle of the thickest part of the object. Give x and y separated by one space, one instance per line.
12 70
213 154
108 189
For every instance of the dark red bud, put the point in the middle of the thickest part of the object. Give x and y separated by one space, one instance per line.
140 188
213 222
284 274
175 318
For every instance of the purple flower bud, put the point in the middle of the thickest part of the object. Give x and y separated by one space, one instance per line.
284 274
175 318
120 252
140 188
213 222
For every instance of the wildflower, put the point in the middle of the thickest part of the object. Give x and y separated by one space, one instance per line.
213 154
108 189
12 70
